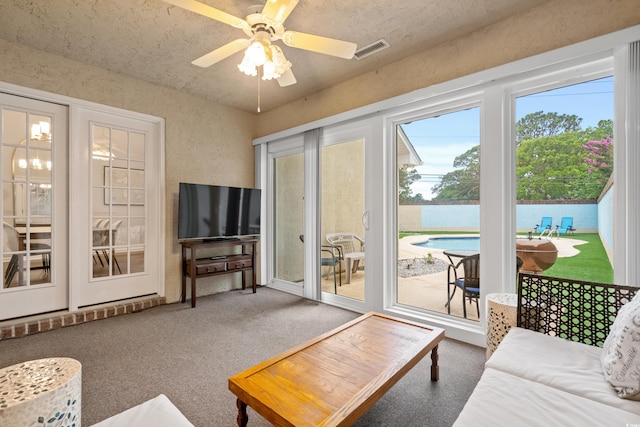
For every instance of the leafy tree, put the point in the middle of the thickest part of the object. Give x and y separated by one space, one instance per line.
600 159
406 177
564 166
599 147
464 182
552 168
572 164
603 130
541 124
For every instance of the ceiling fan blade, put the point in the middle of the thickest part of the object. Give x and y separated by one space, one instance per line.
221 53
287 78
319 44
279 10
209 12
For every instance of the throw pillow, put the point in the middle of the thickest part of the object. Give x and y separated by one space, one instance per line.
620 355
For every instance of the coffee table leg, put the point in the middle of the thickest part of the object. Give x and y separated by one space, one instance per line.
435 372
243 418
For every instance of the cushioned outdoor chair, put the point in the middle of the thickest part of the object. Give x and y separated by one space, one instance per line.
469 283
566 225
330 257
544 225
351 249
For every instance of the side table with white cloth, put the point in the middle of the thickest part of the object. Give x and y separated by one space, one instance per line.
502 311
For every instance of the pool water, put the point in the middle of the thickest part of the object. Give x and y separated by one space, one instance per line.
452 243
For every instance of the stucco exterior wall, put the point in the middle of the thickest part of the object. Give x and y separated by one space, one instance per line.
605 221
205 142
550 26
289 217
343 188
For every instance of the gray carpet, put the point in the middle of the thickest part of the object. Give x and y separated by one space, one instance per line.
188 354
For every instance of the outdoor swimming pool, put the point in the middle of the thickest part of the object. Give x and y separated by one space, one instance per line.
466 243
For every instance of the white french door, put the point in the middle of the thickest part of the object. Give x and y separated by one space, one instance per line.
114 255
34 206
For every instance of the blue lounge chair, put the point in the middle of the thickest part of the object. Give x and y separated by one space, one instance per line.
566 225
545 224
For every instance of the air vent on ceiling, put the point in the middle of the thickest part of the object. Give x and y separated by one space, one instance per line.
368 50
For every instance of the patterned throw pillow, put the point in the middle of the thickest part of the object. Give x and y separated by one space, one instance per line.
621 351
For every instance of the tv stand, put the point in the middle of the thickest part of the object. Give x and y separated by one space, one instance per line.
233 262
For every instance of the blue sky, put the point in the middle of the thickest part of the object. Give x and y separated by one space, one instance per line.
439 140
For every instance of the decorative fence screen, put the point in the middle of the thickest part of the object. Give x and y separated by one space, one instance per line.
571 309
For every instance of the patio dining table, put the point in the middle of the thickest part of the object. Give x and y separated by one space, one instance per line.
459 253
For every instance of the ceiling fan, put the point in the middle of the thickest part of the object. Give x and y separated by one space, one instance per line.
263 27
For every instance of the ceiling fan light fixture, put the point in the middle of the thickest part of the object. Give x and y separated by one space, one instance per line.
248 67
277 66
254 57
261 53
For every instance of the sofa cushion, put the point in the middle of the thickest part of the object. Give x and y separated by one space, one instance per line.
566 365
157 412
621 351
504 400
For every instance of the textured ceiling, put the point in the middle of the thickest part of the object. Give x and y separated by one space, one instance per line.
156 42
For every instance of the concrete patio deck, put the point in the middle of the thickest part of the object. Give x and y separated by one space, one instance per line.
429 291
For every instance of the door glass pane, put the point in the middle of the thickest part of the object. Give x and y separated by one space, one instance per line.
439 213
118 202
27 198
342 229
564 181
289 218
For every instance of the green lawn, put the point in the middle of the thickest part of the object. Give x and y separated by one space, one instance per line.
591 264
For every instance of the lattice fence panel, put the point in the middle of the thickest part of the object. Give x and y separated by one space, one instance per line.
571 309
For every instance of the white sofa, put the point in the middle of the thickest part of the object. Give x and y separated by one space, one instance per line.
534 379
157 412
574 360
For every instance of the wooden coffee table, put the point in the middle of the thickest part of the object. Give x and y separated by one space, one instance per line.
334 378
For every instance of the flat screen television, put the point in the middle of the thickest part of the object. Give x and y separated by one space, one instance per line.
217 212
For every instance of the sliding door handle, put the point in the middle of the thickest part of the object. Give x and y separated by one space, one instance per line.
365 220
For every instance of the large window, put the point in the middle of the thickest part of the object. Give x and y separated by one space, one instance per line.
536 161
564 189
439 212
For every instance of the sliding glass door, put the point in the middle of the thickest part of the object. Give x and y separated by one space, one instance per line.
319 221
342 228
288 225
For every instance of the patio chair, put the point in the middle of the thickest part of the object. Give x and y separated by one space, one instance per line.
566 225
469 283
351 250
330 257
544 225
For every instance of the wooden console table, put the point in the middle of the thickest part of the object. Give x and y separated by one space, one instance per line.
195 267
